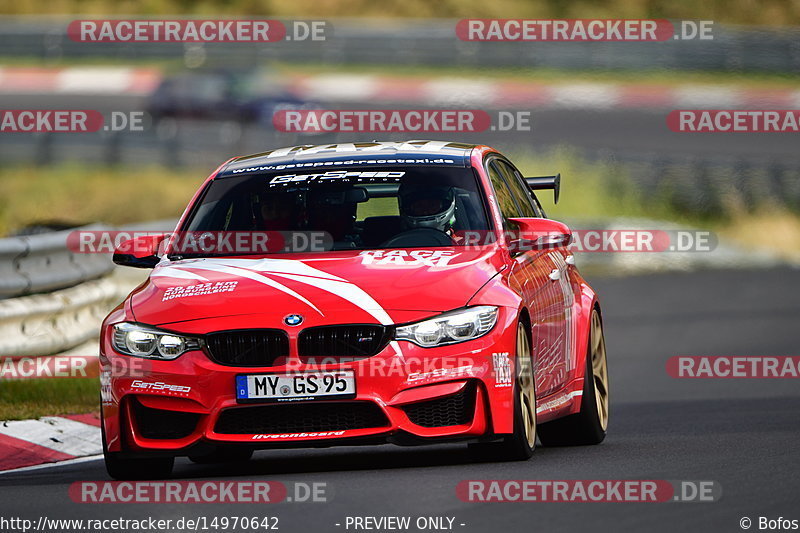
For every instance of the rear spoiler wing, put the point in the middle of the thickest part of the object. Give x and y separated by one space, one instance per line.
546 182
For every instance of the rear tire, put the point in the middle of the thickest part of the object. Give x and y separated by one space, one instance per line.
589 425
518 446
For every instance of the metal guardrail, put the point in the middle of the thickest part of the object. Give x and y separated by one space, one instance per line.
430 42
45 324
706 185
42 263
76 292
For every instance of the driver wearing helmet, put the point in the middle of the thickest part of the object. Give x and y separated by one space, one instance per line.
424 206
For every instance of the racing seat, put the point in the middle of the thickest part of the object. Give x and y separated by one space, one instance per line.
380 229
334 211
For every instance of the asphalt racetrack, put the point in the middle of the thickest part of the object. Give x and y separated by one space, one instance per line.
740 433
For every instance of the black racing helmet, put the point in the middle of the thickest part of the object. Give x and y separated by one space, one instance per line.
425 206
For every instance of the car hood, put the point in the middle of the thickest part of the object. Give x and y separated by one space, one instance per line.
330 288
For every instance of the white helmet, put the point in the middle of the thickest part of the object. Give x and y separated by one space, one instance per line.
424 206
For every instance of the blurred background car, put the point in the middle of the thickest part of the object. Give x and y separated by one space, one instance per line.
246 96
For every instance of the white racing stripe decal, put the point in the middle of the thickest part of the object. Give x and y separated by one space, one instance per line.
174 272
296 271
286 266
258 269
553 404
349 292
245 273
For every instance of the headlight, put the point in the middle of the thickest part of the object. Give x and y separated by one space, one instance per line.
450 328
143 341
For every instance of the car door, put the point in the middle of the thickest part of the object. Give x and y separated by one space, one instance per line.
542 277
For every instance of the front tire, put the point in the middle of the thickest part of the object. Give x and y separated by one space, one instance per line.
589 425
518 446
122 468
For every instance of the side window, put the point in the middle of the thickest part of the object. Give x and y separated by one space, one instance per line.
538 206
523 195
504 196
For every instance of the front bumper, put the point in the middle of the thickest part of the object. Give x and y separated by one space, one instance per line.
405 395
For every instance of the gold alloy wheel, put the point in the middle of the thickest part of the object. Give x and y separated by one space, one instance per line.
525 386
599 369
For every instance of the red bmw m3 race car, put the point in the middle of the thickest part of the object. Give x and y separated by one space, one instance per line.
398 292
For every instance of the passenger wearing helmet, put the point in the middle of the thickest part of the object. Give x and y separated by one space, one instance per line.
424 206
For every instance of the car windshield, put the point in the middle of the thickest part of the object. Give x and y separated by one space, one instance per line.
356 209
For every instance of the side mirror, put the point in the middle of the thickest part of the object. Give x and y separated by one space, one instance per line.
139 252
538 234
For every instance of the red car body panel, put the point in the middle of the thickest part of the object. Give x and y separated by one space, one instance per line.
352 287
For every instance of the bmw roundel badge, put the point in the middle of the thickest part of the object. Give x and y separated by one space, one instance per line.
293 320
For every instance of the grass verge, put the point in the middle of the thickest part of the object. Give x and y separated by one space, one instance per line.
590 189
33 398
78 195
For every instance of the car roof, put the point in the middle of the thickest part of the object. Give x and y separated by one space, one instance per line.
308 156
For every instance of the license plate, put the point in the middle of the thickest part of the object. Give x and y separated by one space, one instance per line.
295 387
